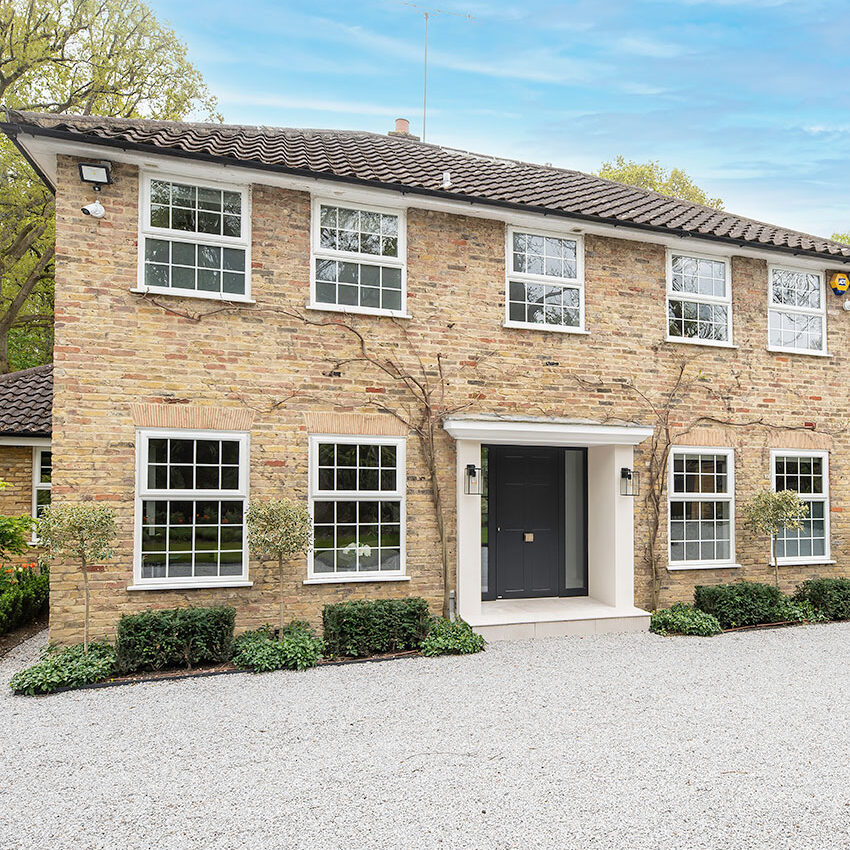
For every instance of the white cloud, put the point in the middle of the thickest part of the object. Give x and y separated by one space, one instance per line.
315 104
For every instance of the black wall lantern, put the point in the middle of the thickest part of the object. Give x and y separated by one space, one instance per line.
629 482
472 480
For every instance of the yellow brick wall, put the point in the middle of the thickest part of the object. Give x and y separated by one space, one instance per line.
16 471
115 349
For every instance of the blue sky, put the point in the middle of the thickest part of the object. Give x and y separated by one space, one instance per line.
751 97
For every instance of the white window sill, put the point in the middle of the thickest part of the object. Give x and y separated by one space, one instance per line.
360 311
353 578
710 343
706 566
192 585
534 326
777 350
193 293
806 562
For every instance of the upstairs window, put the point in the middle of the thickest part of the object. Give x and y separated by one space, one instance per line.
796 311
699 300
358 259
701 499
190 508
195 239
545 281
807 474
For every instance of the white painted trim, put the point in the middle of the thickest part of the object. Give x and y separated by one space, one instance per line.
146 230
578 282
544 433
558 329
823 454
142 493
44 151
37 452
359 311
398 495
317 252
702 497
725 301
25 441
201 584
773 307
776 350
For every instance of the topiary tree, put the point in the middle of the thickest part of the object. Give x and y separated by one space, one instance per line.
85 532
279 529
770 512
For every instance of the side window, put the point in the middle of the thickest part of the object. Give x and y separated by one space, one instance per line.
358 259
806 474
545 281
701 506
796 311
699 300
195 239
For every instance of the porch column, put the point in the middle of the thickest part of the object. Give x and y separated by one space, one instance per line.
610 527
468 534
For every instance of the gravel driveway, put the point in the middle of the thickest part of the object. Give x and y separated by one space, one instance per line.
613 741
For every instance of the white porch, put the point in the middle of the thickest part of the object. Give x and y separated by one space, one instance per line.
609 603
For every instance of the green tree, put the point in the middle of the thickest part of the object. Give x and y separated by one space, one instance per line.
90 57
652 175
279 529
14 532
85 532
770 512
841 237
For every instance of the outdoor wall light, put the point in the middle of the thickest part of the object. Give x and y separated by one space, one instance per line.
472 480
96 173
629 482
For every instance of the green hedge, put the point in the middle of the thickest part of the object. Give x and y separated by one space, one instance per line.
683 619
67 667
298 648
178 637
22 602
830 597
362 627
452 638
744 603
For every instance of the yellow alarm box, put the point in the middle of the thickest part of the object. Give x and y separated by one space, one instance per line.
840 282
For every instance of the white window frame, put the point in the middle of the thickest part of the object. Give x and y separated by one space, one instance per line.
726 563
524 277
399 494
773 307
317 252
147 231
699 299
37 483
143 492
826 558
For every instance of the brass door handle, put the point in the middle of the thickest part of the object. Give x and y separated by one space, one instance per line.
528 537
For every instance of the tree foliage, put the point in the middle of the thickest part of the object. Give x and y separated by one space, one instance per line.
84 532
90 57
769 512
841 237
652 175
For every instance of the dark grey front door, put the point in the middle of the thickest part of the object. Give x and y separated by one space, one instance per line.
527 515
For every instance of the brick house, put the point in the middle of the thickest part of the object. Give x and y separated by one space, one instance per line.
26 401
261 312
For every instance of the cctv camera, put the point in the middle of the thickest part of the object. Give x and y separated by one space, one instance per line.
95 210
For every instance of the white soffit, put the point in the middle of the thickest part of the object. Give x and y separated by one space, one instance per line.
530 432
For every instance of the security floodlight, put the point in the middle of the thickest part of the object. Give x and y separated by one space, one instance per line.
96 173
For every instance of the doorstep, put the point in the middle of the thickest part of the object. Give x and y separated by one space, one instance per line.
516 619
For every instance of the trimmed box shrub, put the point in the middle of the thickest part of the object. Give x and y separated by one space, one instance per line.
830 597
24 600
744 603
174 637
683 619
297 648
66 667
452 638
370 627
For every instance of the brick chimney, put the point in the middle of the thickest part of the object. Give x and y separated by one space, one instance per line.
402 128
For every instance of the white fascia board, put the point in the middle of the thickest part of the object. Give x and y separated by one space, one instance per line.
512 432
44 151
25 441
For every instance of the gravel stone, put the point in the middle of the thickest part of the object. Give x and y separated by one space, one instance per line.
611 741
